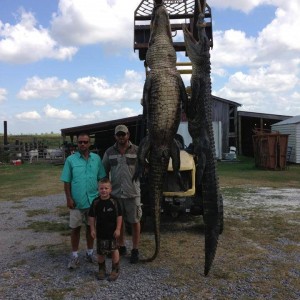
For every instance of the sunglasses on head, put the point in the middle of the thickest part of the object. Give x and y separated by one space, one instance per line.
121 133
83 142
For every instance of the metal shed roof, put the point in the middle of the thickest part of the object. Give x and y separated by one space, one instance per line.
101 126
293 120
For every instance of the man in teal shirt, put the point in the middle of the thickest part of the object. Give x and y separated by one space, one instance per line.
81 173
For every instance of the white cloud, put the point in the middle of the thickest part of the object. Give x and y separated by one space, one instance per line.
99 91
85 22
99 103
263 81
26 42
278 41
94 115
262 101
107 115
47 88
233 48
3 94
74 96
29 115
80 22
296 97
133 84
86 89
55 113
262 72
123 112
97 88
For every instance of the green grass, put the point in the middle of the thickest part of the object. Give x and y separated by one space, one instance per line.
42 179
55 250
51 140
62 211
18 263
41 226
58 294
27 180
36 212
245 173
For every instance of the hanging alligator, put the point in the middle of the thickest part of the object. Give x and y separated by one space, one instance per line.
163 95
199 115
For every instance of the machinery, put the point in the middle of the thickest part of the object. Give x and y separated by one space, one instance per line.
176 201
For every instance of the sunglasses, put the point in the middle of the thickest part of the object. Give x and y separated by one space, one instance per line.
82 142
121 134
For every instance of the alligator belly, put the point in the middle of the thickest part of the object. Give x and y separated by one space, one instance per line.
164 106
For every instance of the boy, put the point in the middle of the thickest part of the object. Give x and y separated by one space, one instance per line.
105 219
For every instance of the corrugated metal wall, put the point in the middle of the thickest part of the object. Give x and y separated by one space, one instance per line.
294 139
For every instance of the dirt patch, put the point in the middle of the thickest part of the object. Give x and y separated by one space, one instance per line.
275 200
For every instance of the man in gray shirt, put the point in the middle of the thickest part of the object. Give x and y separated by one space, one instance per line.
119 162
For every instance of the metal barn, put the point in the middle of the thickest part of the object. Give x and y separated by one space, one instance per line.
292 128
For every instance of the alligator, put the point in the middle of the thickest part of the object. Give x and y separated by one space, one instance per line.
199 116
163 95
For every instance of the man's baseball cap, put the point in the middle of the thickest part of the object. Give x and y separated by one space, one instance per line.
121 128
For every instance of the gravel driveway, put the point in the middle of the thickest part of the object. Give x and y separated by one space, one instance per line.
33 264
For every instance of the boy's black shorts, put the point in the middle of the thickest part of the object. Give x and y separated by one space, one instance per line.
104 247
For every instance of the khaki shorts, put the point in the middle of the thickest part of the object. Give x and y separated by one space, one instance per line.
131 209
78 217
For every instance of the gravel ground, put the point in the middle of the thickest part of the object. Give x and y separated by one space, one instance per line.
30 271
33 264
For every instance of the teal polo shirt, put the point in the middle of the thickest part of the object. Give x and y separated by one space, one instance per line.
83 175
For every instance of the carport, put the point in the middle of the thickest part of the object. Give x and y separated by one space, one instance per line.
250 122
102 134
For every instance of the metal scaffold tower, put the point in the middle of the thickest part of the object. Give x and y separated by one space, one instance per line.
181 12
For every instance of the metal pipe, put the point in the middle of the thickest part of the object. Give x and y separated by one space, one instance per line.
5 133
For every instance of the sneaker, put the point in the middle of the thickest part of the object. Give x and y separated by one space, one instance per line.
134 258
122 250
90 258
73 263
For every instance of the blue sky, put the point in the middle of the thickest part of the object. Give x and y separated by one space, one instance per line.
65 63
